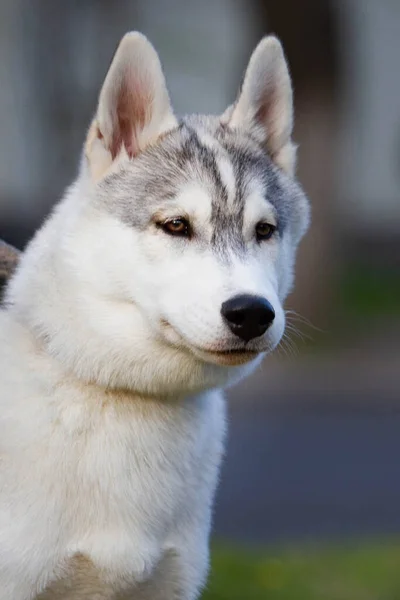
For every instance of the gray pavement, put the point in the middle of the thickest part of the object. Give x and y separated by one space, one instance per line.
313 457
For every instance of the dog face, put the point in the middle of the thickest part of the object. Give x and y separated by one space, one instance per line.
191 225
209 228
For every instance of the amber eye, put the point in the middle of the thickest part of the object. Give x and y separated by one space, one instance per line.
264 231
179 227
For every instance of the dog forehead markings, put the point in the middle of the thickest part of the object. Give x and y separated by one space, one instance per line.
194 198
228 177
223 162
258 208
256 174
219 169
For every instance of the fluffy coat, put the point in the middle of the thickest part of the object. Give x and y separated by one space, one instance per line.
113 350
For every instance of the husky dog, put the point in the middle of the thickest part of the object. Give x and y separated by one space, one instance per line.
157 281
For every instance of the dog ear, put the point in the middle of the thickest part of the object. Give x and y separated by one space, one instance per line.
134 107
265 103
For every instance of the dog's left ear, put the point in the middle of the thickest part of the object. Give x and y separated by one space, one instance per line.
265 103
134 107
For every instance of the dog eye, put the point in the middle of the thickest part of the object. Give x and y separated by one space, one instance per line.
264 231
178 227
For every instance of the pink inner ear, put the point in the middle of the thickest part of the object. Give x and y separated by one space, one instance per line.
267 115
266 103
264 111
132 110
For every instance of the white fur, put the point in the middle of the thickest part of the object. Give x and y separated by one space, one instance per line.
119 478
111 416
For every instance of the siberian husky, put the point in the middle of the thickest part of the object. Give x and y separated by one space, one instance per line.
157 281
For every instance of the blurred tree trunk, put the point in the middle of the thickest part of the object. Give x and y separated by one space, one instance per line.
307 31
9 257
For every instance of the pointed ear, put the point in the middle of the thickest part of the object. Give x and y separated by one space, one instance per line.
265 103
134 107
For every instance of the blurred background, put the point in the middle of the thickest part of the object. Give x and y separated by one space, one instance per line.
309 500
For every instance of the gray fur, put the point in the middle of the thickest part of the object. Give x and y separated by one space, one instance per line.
154 177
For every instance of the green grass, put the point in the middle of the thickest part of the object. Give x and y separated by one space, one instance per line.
368 291
352 572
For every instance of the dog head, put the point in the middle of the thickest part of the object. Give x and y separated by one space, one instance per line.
183 247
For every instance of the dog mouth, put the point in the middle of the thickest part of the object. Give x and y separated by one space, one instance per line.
230 357
220 356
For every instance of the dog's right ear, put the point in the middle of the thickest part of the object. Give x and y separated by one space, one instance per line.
134 107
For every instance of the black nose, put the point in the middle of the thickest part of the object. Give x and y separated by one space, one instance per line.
248 316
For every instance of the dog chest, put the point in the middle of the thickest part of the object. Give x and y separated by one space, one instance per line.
139 480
